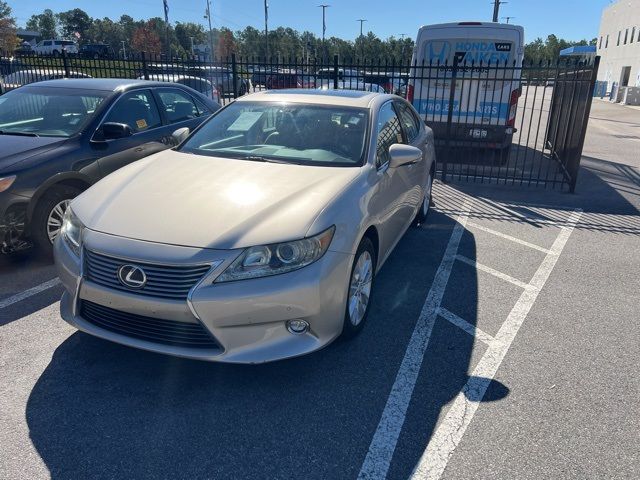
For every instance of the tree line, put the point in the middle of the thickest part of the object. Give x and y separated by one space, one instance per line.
155 37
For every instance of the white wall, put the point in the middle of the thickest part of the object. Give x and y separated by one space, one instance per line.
621 16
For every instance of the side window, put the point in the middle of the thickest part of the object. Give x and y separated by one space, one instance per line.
47 43
202 108
177 105
136 109
409 122
389 132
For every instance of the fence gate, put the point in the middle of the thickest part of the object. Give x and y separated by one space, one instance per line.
507 124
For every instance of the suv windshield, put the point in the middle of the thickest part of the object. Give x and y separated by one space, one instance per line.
288 133
52 112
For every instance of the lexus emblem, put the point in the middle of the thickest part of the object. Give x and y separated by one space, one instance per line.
132 276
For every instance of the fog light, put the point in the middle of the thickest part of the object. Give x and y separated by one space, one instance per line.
297 326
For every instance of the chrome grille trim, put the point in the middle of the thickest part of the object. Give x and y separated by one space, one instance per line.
163 281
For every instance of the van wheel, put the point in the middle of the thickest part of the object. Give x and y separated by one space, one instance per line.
48 214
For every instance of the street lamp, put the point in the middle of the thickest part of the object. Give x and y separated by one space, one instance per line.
324 7
208 17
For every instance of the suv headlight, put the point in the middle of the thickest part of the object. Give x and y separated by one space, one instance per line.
267 260
72 230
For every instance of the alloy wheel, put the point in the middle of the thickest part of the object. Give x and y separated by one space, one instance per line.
54 220
360 288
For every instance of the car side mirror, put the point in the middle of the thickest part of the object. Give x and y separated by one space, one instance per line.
113 131
403 155
180 135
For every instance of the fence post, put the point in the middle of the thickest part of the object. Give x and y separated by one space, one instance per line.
65 63
452 94
145 72
234 70
335 72
575 164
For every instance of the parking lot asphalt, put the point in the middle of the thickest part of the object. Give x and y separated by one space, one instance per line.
502 343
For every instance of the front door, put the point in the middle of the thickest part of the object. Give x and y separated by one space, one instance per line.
139 110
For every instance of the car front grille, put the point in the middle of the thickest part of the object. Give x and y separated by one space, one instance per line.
167 332
163 281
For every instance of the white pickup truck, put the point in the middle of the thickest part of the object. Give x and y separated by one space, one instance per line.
55 47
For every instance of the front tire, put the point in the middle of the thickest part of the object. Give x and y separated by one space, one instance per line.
47 216
360 289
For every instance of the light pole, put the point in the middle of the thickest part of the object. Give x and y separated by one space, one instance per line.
208 17
192 54
361 20
266 29
324 28
402 35
124 51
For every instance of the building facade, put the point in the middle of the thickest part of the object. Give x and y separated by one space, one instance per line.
619 44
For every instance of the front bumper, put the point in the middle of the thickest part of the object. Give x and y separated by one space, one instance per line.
247 318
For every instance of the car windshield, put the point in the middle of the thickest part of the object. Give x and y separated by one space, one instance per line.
51 112
284 132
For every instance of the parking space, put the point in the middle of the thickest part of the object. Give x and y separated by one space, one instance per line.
502 343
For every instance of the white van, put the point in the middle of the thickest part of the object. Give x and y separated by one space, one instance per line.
487 58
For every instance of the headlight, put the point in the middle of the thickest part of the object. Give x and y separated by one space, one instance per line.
6 182
266 260
71 231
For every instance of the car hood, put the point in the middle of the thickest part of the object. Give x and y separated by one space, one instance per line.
210 202
15 148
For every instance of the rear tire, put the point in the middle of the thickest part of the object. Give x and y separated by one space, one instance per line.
360 289
47 215
423 211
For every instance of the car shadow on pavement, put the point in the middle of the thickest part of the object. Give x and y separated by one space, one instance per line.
103 410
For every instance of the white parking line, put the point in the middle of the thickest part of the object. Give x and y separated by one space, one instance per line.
495 273
450 431
376 463
507 237
466 326
18 297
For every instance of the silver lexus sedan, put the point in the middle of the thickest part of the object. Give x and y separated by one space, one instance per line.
257 238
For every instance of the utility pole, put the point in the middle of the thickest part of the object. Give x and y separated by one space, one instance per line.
508 18
192 54
266 29
361 20
208 17
124 51
496 9
324 28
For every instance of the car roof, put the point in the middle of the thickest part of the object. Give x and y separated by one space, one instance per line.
105 84
347 98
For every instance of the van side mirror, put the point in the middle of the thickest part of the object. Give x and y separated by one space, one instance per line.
403 155
180 135
113 131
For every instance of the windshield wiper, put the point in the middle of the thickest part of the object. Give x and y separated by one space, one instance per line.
258 158
21 134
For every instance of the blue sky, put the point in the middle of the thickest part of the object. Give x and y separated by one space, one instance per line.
570 19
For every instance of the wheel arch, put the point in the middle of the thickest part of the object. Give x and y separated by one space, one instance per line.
69 179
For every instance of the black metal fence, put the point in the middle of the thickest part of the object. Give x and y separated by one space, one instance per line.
493 122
